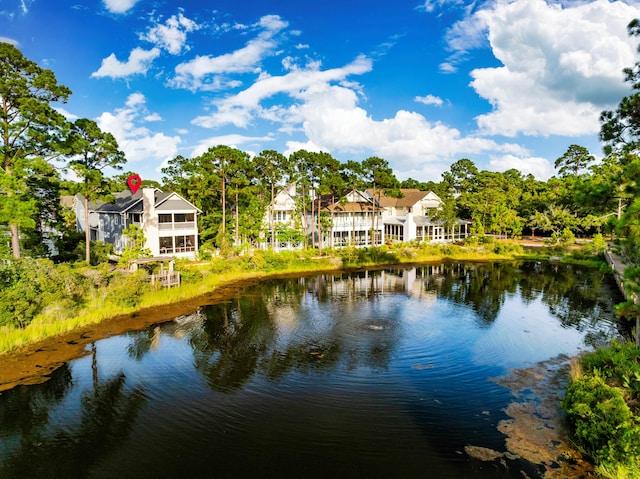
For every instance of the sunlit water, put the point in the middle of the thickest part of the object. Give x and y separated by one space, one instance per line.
379 374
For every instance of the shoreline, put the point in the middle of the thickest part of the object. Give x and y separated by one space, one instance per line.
32 361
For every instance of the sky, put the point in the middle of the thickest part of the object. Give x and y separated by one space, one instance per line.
419 83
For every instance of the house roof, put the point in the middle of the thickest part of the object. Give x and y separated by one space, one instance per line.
410 197
127 201
332 203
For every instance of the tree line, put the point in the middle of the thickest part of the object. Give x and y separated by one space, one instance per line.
235 191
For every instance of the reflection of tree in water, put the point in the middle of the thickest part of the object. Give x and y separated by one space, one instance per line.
245 336
107 412
26 408
481 286
577 296
229 344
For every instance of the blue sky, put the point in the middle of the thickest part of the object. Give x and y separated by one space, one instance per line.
420 83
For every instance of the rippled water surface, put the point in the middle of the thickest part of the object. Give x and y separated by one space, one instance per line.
378 374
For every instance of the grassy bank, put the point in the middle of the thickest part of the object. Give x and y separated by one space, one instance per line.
46 300
603 409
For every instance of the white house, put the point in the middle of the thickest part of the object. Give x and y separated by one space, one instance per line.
411 217
168 221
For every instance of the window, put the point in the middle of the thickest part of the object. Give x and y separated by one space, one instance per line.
177 244
164 218
183 217
166 245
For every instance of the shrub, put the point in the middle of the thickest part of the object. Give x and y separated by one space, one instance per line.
127 289
601 422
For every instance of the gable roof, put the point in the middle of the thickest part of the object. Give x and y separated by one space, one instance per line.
411 196
127 201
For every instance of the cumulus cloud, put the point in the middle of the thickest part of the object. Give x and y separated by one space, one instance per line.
561 64
233 140
429 100
138 142
119 6
540 168
324 107
241 109
172 35
203 72
139 62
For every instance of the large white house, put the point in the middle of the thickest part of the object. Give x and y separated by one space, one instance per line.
360 218
411 217
168 221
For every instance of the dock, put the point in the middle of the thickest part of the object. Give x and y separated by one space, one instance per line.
617 267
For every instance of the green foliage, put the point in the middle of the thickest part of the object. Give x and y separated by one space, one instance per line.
32 130
504 248
127 289
27 287
567 237
135 246
100 252
617 364
364 256
602 424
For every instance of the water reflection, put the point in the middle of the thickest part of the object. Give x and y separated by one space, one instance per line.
36 444
384 372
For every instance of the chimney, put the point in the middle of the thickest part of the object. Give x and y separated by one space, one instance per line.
150 220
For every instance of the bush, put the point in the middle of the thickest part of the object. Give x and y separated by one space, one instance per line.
601 422
28 286
127 289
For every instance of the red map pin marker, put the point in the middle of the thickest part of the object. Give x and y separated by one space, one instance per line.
134 182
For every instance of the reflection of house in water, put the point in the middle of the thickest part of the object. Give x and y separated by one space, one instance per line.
410 281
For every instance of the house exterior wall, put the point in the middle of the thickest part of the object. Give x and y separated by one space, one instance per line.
176 237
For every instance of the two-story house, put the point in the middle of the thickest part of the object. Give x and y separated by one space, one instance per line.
168 221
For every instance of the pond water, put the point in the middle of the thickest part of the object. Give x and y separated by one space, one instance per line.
376 374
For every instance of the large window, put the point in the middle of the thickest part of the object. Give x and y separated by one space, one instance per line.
177 244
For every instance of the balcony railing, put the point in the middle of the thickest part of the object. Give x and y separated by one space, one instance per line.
177 226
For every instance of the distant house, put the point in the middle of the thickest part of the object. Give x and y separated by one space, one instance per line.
362 218
169 222
411 217
355 218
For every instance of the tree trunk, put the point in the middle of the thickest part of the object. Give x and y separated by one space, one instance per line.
237 223
87 232
224 206
273 232
15 241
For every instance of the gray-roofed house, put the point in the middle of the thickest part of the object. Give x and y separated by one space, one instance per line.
169 222
411 218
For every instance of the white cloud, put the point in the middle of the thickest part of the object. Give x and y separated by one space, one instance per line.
293 146
10 41
138 142
232 140
119 6
429 100
172 35
202 73
68 115
138 63
324 107
561 64
541 168
241 109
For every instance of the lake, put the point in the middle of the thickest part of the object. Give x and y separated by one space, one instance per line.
374 374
